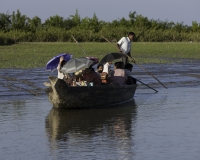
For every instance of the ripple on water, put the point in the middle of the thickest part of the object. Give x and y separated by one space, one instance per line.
163 126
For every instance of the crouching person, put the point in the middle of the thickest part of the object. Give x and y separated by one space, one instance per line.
102 75
90 75
69 78
118 76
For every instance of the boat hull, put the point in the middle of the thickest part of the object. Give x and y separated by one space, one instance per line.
63 96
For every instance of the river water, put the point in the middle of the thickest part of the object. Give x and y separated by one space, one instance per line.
165 125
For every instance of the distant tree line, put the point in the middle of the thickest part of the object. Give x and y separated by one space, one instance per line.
17 27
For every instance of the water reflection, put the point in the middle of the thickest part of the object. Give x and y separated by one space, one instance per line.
65 127
12 109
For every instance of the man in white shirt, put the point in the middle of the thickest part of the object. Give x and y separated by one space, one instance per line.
124 45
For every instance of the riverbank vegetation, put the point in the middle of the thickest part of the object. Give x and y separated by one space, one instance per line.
35 55
17 27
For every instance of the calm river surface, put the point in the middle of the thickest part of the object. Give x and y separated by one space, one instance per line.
160 126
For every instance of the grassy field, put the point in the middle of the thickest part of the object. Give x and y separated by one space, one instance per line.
34 55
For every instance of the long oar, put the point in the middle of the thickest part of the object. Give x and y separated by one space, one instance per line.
78 45
137 63
146 85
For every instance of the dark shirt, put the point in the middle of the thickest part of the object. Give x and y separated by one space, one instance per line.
118 76
92 77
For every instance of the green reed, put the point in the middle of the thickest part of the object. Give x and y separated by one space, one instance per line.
36 55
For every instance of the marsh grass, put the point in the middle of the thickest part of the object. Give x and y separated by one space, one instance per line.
35 55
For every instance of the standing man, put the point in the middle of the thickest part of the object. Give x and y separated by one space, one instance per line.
124 45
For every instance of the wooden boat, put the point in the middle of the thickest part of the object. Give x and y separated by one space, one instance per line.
63 96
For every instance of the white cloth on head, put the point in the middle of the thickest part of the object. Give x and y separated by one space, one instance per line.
106 68
125 44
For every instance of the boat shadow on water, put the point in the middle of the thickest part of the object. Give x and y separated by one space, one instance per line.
116 120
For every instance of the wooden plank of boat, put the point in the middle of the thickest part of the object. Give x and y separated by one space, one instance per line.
63 96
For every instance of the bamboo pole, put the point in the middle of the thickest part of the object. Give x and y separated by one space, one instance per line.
146 85
79 45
